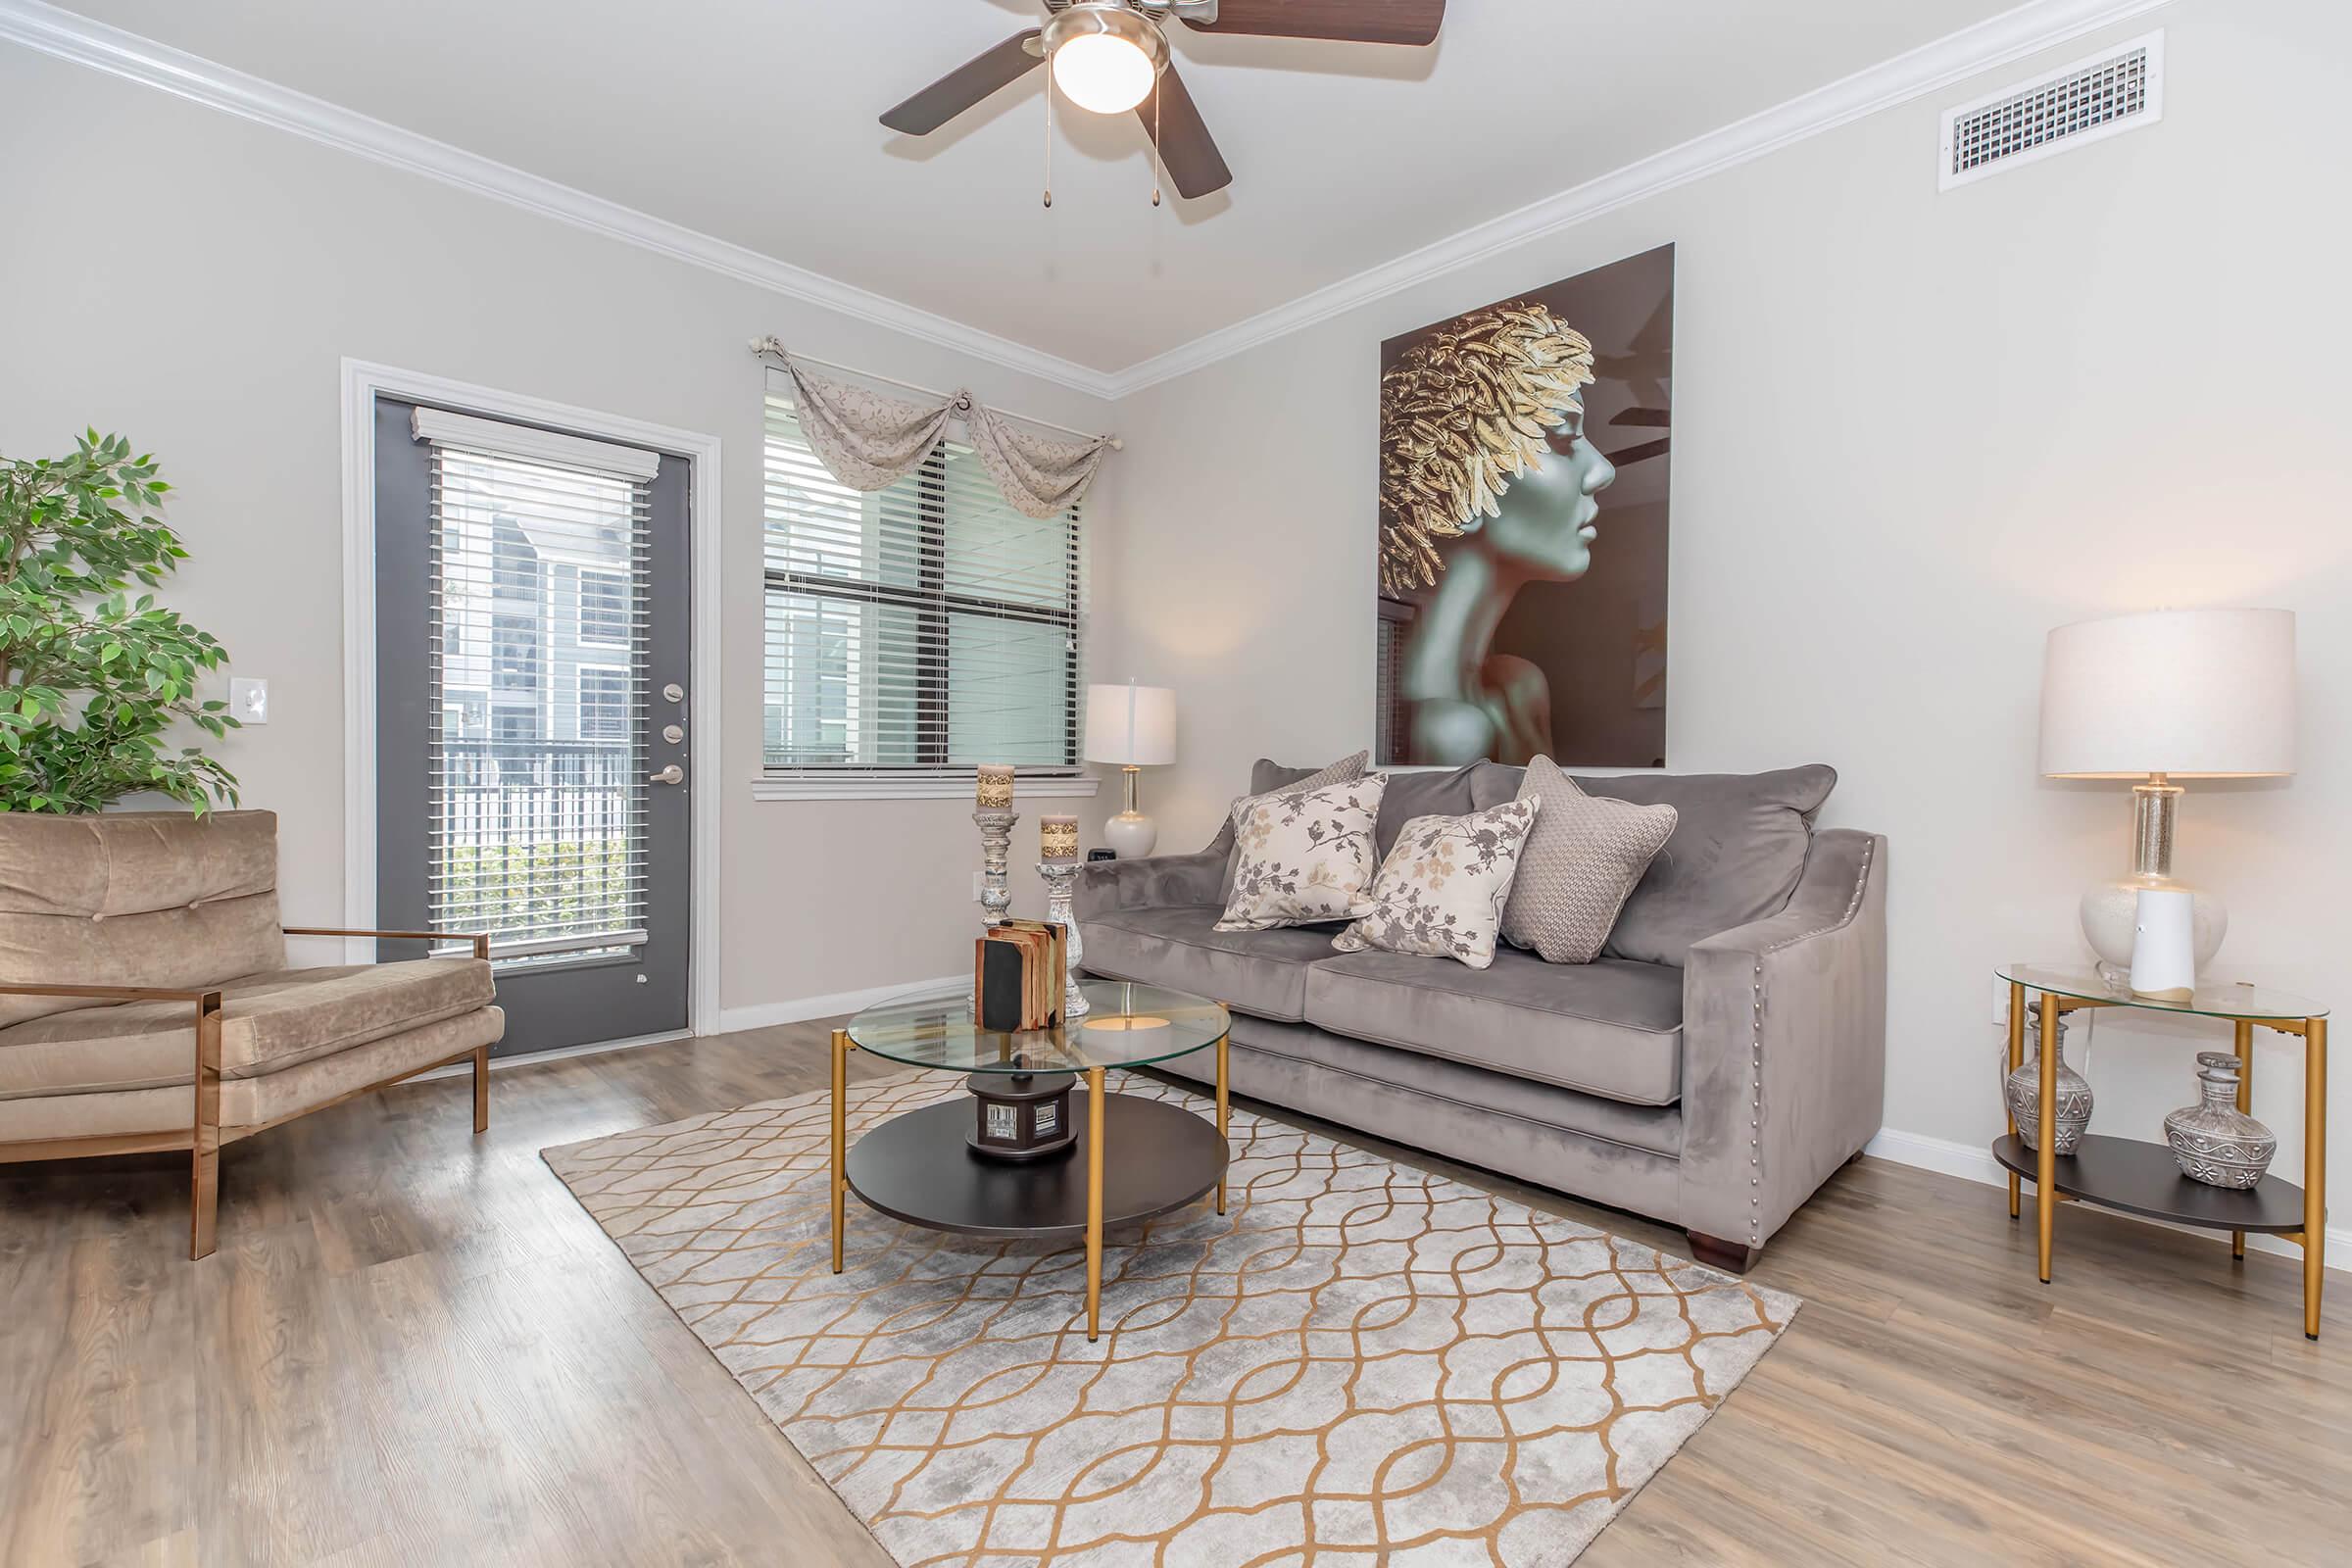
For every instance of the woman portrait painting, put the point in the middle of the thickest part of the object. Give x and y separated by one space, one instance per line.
1491 485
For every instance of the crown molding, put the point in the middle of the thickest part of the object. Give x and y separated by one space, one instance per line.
1989 44
68 35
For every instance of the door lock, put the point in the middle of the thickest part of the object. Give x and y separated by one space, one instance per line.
673 692
673 733
672 774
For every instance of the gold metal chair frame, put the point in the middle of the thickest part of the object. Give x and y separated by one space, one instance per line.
2311 1238
843 1045
205 1136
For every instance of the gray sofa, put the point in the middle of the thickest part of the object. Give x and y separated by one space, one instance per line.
1711 1069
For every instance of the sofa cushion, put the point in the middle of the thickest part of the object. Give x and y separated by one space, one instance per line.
1261 972
267 1022
1611 1027
1739 846
1426 792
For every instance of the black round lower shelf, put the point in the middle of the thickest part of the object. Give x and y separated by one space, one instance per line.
1157 1158
2142 1178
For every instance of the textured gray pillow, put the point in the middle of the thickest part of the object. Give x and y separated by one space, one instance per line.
1268 778
1582 860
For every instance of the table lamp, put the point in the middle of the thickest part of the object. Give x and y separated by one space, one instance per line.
2167 695
1134 726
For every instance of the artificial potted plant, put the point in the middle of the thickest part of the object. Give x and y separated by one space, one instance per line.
91 680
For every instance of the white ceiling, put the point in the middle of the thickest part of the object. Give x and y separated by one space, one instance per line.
755 122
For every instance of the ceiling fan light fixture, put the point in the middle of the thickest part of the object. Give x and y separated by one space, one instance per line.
1104 58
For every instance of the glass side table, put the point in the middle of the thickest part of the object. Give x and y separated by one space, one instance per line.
926 1167
2139 1177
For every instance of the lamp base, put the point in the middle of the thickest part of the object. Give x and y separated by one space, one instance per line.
1131 835
2110 913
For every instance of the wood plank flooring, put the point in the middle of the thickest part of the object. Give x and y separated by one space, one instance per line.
412 1347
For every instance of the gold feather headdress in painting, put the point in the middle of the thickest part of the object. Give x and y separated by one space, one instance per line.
1463 415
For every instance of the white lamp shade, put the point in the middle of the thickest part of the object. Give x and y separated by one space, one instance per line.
1134 726
2192 693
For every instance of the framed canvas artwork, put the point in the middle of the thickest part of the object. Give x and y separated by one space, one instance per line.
1523 526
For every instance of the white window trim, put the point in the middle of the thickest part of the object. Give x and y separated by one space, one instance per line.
916 784
579 698
579 604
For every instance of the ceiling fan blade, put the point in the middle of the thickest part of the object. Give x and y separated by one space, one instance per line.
951 94
1405 21
1185 144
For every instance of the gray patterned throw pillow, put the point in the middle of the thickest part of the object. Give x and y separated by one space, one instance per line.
1345 770
1304 856
1582 861
1441 891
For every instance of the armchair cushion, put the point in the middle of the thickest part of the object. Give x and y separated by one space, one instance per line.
135 898
267 1022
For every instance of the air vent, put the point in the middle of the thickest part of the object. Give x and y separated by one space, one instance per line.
2106 95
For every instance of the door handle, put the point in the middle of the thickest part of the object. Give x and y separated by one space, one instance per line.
672 774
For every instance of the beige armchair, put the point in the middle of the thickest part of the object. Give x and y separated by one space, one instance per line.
145 1002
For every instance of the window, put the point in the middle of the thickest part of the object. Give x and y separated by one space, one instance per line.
514 652
514 724
603 608
919 629
604 704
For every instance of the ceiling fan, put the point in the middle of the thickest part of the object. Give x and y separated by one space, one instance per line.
1107 56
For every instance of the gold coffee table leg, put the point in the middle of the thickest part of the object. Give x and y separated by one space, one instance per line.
840 1182
2045 1165
2016 1059
2315 1170
1094 1203
1223 1041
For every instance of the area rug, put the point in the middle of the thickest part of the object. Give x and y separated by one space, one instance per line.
1359 1363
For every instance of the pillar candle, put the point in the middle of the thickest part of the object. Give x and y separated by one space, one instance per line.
995 793
1057 838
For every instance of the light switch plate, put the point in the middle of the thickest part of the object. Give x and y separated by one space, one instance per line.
249 700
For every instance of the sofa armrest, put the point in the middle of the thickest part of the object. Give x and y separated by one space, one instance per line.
1155 882
1784 1044
479 939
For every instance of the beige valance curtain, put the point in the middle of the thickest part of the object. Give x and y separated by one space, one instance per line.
868 440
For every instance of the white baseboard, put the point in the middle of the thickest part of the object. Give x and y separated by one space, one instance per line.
767 1014
1973 1162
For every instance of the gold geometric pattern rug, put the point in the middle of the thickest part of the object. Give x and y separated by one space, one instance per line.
1361 1363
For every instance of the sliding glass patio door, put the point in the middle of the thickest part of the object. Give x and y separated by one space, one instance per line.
533 766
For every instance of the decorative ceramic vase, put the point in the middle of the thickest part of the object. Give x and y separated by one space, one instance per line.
2023 1091
2215 1142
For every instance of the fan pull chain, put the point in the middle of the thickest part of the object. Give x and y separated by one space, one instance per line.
1049 137
1157 162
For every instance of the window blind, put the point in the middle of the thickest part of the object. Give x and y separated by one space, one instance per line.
537 791
922 628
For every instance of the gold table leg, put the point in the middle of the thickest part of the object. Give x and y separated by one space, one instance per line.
840 1182
2016 1059
1222 1137
1094 1204
2315 1170
2045 1165
2246 1105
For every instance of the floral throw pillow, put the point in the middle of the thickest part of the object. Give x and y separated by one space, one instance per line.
1441 890
1304 856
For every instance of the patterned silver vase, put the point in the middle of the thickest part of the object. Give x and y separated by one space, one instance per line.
2022 1088
2215 1142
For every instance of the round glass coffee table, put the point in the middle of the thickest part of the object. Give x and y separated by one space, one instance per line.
991 1163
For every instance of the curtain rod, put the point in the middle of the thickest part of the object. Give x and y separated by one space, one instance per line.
770 345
